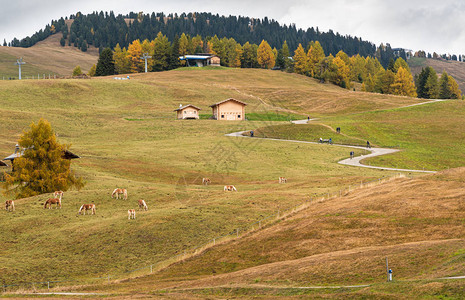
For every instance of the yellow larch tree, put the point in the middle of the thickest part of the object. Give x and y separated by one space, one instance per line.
300 61
134 54
315 55
403 84
265 55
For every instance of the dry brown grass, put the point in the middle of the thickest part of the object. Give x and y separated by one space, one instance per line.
48 55
454 68
417 223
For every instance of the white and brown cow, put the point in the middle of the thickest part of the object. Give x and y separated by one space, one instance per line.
86 207
143 205
131 214
9 205
282 180
117 192
230 188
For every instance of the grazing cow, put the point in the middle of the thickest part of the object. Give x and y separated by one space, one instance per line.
9 205
118 192
131 214
58 194
230 188
206 181
282 180
86 207
51 201
143 205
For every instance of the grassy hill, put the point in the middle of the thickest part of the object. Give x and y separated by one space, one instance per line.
127 136
430 136
417 223
454 68
46 57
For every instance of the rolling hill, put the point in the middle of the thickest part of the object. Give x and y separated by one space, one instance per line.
127 136
454 68
46 57
416 223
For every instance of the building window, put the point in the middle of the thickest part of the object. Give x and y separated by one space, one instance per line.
222 116
195 112
185 112
238 116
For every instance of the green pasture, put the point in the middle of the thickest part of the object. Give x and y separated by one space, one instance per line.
127 136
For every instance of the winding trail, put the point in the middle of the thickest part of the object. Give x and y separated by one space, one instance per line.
355 162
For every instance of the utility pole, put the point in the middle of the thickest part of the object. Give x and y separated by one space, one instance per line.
19 62
387 268
145 57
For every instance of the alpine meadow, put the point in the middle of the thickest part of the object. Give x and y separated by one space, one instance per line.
203 156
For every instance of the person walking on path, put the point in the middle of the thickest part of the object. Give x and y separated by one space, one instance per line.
368 144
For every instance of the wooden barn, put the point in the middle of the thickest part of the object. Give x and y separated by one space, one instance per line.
187 112
229 109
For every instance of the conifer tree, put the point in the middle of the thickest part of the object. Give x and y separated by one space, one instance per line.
4 43
62 42
174 61
315 55
135 53
300 61
105 64
455 91
42 168
265 55
161 52
444 87
400 62
403 84
122 61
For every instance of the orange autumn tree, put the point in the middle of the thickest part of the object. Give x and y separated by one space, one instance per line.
42 168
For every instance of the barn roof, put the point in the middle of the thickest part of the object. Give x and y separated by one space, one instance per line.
230 99
66 155
186 106
199 57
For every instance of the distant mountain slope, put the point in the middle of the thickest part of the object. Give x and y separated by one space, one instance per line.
46 57
106 30
454 68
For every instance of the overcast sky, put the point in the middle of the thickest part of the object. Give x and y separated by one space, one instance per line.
413 24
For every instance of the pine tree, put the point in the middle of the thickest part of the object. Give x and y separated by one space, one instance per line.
265 55
300 61
403 84
4 43
105 64
174 61
161 53
444 87
84 46
42 168
62 42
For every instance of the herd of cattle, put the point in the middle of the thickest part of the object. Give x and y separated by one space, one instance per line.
58 195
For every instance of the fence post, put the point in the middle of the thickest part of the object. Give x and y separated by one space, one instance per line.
151 270
237 232
214 241
48 285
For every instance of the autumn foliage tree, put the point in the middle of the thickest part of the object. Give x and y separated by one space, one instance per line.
42 168
403 83
300 61
265 55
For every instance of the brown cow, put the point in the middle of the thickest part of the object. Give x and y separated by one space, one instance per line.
206 181
51 201
282 180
